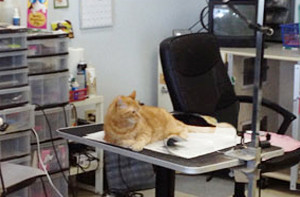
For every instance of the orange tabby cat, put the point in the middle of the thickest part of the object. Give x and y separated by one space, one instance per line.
131 125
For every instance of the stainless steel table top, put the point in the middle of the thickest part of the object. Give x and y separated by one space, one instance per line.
202 164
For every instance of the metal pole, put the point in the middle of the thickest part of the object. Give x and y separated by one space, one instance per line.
257 96
257 93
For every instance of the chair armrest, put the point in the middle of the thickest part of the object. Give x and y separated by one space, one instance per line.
288 117
192 118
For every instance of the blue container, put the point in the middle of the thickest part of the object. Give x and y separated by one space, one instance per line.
290 35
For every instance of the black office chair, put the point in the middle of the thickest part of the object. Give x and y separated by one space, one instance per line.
198 83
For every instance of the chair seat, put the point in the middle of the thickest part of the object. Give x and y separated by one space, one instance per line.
287 143
18 176
291 149
287 160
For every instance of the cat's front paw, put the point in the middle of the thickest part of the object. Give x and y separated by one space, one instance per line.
137 147
127 143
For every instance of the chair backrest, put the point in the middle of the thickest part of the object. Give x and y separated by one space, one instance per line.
197 78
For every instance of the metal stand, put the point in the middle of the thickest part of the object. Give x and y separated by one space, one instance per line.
257 96
252 172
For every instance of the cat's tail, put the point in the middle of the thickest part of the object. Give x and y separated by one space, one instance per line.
210 120
198 129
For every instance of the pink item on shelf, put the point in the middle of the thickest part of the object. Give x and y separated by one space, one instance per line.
47 157
285 142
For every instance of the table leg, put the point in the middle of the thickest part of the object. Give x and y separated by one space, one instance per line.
165 182
239 189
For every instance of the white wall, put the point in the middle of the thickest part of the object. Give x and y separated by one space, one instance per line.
297 4
125 55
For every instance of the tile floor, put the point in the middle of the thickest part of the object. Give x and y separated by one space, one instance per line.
196 186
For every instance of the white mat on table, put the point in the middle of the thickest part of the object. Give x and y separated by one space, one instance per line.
197 144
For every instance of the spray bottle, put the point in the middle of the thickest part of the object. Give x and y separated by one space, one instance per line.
81 74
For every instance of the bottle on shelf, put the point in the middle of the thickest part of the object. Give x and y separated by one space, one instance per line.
16 17
91 80
81 74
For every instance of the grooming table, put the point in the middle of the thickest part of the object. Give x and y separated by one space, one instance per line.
166 164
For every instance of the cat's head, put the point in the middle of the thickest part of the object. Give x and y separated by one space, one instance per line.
126 107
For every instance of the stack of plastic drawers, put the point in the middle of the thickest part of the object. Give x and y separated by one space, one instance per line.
48 80
15 109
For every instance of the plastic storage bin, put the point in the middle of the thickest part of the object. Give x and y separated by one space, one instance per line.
47 64
290 35
51 46
36 189
14 144
13 78
49 89
12 60
18 118
24 161
12 41
14 97
57 119
20 193
49 158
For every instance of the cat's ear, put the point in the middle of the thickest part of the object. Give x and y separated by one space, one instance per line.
120 103
133 94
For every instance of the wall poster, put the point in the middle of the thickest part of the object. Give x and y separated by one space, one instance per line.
37 14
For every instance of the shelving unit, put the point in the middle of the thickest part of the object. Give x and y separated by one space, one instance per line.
14 98
48 81
96 103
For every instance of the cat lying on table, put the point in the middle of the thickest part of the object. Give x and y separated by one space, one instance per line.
131 125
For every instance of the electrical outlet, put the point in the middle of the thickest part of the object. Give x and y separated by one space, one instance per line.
90 115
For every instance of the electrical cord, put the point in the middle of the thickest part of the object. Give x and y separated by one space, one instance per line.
202 16
1 176
67 181
88 155
90 158
42 164
80 167
53 146
44 187
194 25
